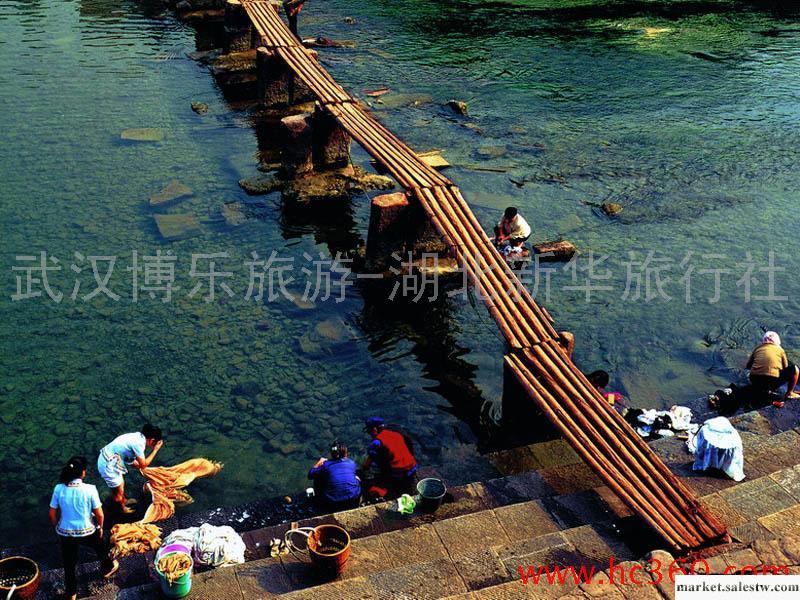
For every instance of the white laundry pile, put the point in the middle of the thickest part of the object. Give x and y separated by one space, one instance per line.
211 546
666 422
718 445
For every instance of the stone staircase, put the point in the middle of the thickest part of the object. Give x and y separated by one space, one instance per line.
558 514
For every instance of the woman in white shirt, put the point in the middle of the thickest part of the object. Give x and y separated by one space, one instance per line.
77 515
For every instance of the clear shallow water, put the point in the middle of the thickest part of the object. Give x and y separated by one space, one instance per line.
579 105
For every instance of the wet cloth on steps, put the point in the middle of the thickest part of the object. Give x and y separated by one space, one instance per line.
165 485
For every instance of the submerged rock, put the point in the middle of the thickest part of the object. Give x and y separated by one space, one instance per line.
261 184
459 107
333 330
142 134
491 151
200 108
398 100
324 42
233 213
177 227
174 190
611 208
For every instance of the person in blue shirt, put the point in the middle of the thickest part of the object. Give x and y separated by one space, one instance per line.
336 485
127 449
77 515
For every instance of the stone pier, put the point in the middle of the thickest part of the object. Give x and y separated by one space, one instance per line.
238 28
398 226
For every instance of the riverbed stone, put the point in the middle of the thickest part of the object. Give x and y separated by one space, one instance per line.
177 227
611 208
143 134
459 107
174 190
261 184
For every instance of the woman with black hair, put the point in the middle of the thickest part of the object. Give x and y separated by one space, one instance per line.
77 515
336 485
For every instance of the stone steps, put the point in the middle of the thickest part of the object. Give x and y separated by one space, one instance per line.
561 500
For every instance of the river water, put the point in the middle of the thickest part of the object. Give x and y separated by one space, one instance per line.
685 114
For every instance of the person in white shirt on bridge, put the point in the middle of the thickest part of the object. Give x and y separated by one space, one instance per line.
512 230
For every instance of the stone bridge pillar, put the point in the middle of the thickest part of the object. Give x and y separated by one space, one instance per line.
238 28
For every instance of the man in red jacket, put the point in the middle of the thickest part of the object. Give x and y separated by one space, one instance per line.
390 451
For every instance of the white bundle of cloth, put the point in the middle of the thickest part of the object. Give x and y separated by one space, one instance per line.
211 546
718 446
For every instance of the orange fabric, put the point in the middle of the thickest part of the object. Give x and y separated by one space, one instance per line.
165 484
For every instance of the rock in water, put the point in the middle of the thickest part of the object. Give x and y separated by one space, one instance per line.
143 134
200 108
332 329
491 151
555 251
611 208
177 227
261 184
233 213
459 107
397 100
174 190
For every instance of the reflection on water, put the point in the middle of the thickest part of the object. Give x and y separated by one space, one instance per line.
684 113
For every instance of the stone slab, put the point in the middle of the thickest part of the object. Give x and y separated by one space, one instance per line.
516 488
358 588
783 523
219 584
513 590
142 134
177 227
367 556
263 579
758 497
423 581
174 190
723 511
576 478
361 522
470 533
480 569
596 541
789 480
748 532
523 520
555 453
413 545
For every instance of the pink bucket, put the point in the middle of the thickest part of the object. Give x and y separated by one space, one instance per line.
174 547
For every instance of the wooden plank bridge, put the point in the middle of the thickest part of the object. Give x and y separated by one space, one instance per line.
621 459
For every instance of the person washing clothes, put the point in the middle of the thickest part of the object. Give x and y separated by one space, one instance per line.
336 485
391 452
77 515
127 449
599 379
512 230
770 368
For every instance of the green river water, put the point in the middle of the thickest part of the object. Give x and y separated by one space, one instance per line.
685 113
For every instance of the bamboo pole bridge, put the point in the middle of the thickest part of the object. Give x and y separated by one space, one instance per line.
536 356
